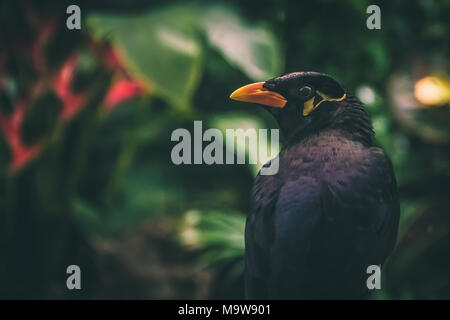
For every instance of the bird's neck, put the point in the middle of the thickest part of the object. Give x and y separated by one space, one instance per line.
350 118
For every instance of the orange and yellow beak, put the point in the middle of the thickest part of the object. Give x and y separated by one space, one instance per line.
257 94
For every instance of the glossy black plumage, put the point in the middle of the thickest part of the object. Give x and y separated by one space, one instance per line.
332 209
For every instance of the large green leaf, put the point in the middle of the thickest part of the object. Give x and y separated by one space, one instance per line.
160 47
253 49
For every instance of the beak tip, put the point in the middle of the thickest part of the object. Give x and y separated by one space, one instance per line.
234 95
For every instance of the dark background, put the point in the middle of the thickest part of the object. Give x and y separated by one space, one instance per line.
86 117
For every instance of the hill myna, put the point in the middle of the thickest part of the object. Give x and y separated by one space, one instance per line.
332 209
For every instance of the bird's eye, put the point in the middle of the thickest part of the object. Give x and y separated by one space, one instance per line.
305 91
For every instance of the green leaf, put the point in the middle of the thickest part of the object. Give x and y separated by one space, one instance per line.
245 121
223 231
219 237
253 49
159 47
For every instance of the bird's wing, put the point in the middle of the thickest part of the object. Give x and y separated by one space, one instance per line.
259 229
280 224
324 234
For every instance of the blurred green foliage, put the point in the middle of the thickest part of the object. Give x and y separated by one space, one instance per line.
102 173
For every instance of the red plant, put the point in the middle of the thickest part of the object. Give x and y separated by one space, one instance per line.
121 91
111 58
72 102
21 154
37 49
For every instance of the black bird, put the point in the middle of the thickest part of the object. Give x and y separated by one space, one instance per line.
332 209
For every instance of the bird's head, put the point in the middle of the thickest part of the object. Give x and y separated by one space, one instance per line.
297 100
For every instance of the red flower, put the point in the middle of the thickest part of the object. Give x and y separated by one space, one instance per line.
21 153
45 32
111 58
121 91
72 102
